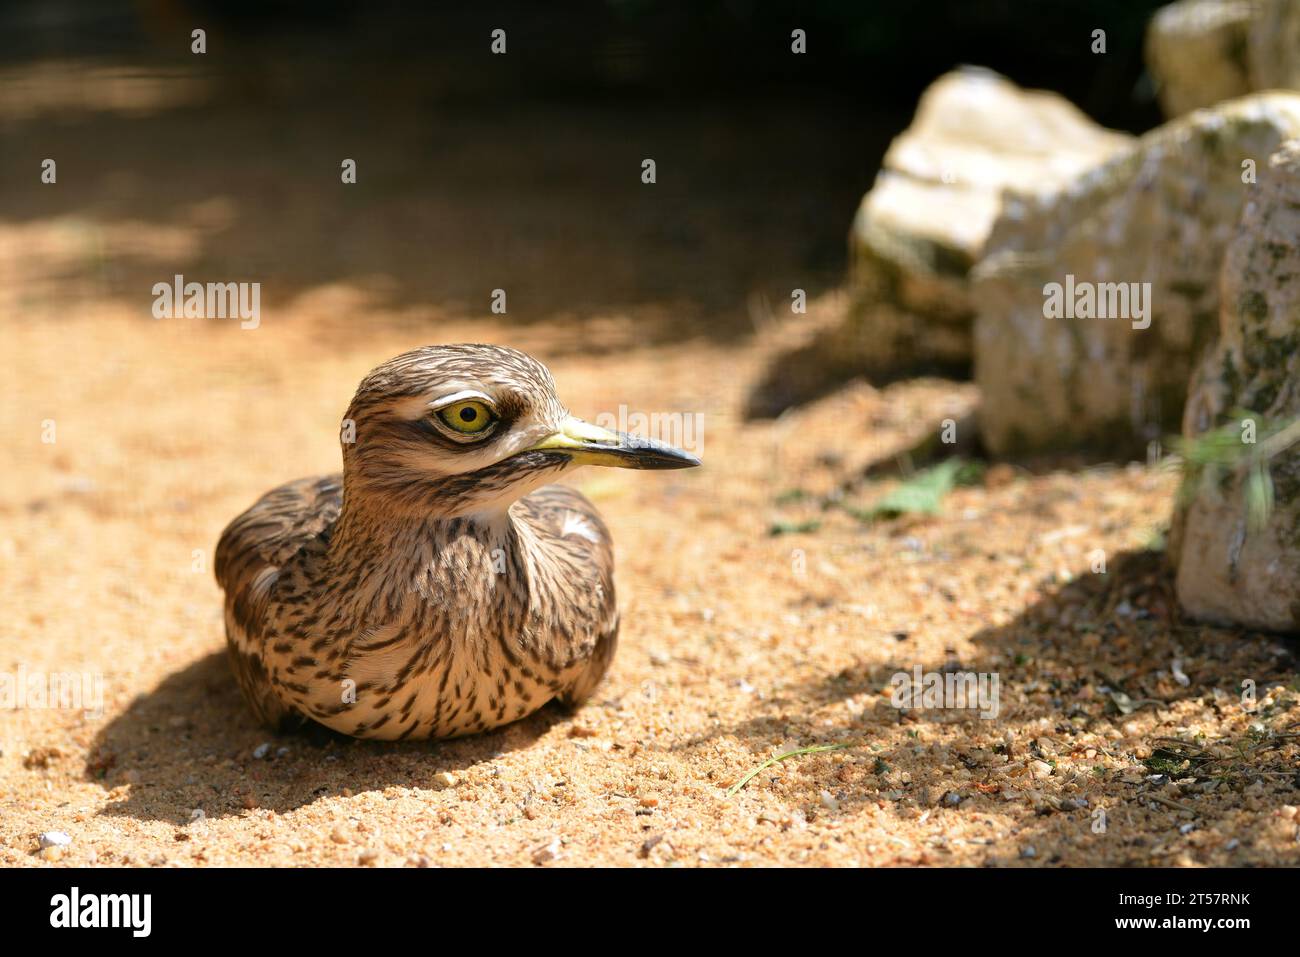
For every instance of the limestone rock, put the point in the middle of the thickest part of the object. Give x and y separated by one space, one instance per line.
1160 213
1198 52
1273 45
1203 52
1231 570
924 223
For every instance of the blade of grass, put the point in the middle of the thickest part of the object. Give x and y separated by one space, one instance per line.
816 748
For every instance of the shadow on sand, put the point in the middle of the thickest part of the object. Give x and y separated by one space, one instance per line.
196 720
1057 663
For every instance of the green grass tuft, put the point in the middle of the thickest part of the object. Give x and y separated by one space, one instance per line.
1211 457
923 493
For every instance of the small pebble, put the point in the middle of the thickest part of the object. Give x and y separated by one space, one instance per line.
54 839
952 798
38 758
828 801
261 751
444 779
367 857
1028 851
339 836
547 852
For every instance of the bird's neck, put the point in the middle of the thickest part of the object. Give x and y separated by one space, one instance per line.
375 532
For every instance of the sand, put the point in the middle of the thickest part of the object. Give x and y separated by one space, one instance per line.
737 644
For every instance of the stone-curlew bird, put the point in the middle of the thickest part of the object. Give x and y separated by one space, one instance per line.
439 586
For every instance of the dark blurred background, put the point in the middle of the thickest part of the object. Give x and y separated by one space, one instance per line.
878 55
519 171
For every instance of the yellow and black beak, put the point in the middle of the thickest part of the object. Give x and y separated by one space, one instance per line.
589 444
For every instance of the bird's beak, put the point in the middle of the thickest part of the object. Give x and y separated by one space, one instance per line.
591 445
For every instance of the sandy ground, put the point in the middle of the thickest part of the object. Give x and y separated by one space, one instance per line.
760 615
737 643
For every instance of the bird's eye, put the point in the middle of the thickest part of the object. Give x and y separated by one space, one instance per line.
469 417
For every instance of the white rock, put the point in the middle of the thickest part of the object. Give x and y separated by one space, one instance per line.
1160 213
1194 50
926 220
1203 52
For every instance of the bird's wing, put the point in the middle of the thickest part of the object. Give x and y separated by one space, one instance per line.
255 545
250 554
577 534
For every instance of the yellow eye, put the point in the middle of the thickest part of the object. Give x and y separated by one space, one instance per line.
469 417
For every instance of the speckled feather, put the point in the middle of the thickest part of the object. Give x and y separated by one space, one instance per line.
403 601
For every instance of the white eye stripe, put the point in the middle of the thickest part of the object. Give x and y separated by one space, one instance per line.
455 397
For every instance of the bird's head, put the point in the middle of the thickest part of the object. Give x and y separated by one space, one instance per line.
470 428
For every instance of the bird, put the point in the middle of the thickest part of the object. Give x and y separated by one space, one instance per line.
442 584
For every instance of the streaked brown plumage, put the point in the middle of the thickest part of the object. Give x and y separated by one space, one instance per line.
439 586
